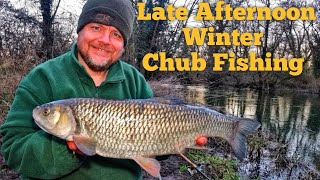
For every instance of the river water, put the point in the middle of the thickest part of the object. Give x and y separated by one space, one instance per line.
290 122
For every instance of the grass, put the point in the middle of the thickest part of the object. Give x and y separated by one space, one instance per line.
221 168
5 101
11 72
183 168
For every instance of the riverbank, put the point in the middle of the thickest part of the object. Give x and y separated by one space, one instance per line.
219 163
266 81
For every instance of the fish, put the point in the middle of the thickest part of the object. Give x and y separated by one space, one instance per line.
140 129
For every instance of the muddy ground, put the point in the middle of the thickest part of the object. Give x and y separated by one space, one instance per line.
5 172
170 170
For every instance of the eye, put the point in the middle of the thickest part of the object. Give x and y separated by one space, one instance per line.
46 111
96 28
117 34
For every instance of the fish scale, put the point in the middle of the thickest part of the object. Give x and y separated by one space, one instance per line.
138 129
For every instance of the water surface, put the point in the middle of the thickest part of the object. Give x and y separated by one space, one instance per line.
290 122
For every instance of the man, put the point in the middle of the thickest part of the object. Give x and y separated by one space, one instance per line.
91 69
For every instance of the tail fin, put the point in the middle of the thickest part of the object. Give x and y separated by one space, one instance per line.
238 142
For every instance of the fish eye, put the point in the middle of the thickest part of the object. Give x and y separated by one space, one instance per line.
46 111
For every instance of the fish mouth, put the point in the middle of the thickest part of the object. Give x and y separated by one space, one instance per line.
41 126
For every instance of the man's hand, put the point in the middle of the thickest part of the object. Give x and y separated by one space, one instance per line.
71 145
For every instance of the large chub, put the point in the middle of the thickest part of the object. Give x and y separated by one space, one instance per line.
139 129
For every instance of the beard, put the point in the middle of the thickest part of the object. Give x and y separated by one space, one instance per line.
93 66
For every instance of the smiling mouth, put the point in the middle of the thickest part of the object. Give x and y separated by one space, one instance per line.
102 50
99 48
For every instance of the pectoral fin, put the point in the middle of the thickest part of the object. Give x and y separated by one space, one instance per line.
85 144
151 165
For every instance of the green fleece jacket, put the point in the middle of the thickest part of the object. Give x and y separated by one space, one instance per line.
36 154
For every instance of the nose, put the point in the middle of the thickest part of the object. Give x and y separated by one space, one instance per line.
105 37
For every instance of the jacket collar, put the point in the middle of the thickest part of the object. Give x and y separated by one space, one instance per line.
115 73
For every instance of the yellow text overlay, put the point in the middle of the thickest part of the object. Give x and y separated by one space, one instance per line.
222 61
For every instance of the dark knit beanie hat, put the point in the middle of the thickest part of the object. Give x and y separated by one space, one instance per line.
116 13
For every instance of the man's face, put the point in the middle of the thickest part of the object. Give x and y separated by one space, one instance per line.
99 46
